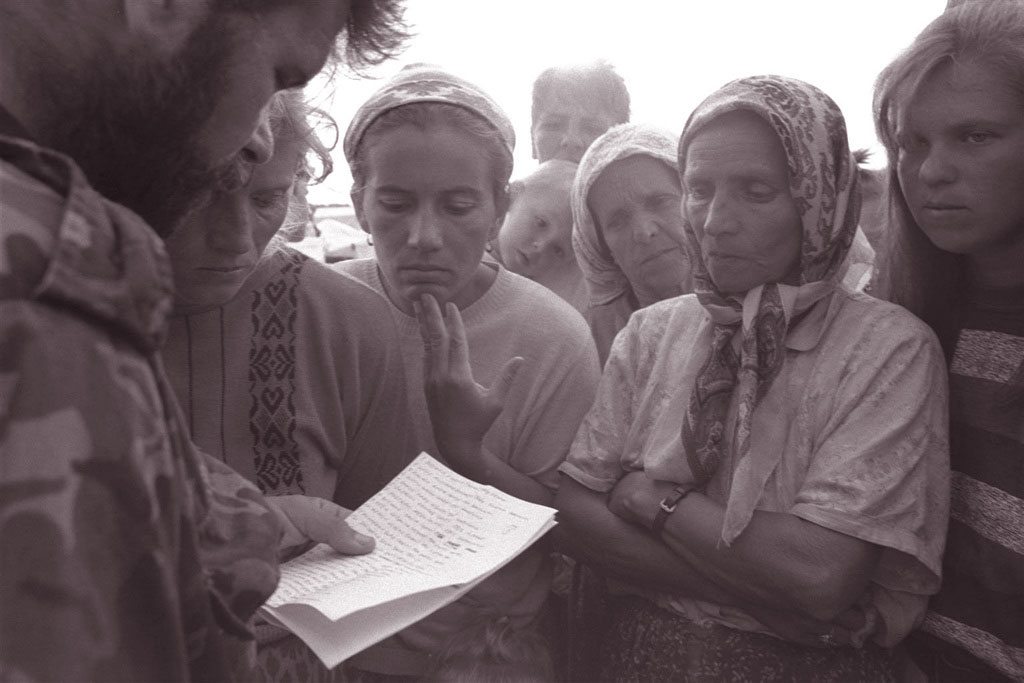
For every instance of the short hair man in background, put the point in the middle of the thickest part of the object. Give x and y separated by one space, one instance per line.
573 105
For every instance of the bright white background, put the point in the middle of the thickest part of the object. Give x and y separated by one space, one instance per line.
672 53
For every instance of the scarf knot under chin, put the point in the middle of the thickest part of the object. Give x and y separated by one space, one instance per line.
762 319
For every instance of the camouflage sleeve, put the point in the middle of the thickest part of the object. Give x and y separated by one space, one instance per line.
239 537
99 578
238 532
116 538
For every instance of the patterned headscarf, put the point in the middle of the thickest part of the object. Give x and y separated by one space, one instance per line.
823 183
605 279
427 83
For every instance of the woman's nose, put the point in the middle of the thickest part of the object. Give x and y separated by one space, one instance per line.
230 230
425 233
936 167
645 228
720 217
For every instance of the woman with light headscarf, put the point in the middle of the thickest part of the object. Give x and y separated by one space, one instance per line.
626 222
431 155
763 477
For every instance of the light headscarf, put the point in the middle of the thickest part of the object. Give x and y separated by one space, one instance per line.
823 183
427 83
605 279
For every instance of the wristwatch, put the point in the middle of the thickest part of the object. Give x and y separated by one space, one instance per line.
668 505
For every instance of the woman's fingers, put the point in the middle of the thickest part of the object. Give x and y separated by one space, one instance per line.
434 335
506 378
461 410
458 347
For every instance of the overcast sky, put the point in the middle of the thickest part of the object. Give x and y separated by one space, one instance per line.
672 53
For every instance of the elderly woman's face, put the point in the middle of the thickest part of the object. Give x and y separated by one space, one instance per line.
215 249
961 161
429 204
635 205
737 198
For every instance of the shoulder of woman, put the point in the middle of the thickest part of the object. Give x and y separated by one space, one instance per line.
885 323
665 323
542 306
679 310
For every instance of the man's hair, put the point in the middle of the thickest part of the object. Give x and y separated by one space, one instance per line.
595 83
290 118
374 33
913 272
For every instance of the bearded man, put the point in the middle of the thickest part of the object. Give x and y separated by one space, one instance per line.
124 554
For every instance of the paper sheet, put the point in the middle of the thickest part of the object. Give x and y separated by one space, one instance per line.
437 535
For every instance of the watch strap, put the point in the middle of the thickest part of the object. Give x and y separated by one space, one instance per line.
668 505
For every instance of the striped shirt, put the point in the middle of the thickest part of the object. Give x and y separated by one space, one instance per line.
981 605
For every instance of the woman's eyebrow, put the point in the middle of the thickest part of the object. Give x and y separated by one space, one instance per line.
463 189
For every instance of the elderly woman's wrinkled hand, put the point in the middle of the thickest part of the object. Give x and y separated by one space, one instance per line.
636 498
461 410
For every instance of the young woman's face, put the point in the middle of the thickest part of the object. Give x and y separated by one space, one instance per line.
737 198
961 161
429 204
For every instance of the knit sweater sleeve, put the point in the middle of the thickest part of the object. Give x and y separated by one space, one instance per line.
367 410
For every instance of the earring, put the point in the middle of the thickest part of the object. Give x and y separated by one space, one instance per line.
369 239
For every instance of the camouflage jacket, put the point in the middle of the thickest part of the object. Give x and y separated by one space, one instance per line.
125 555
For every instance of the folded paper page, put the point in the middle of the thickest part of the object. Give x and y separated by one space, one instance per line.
437 535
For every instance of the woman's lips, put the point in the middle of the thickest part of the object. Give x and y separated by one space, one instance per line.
658 254
424 272
939 211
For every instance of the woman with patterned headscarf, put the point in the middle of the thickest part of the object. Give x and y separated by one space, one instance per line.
626 220
431 155
763 478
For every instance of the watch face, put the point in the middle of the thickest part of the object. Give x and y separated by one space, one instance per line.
669 503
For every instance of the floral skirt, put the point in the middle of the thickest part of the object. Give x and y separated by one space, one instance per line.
644 643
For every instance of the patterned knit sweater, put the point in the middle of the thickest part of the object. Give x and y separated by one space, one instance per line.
294 384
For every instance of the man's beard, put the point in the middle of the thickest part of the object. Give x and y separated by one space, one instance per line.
132 122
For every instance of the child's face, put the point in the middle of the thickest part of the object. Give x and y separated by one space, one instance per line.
536 239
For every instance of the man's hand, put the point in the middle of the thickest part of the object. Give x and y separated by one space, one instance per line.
306 520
